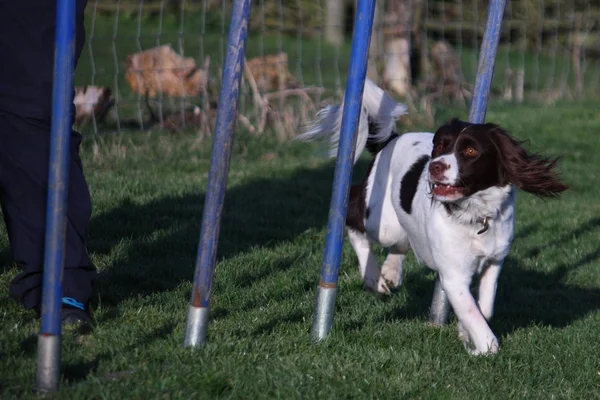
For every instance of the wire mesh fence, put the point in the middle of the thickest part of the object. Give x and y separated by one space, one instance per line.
150 64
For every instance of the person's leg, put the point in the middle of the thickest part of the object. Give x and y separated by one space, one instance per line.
24 154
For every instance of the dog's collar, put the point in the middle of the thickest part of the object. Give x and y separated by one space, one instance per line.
484 222
480 220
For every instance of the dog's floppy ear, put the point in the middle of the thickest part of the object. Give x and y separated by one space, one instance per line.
528 171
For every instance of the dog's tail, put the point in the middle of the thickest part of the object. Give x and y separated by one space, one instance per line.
378 116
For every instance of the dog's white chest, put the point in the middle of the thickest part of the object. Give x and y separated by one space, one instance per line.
493 244
483 250
483 245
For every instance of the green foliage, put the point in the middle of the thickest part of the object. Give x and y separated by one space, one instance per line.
528 24
288 16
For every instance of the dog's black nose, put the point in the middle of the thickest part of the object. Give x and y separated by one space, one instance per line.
437 168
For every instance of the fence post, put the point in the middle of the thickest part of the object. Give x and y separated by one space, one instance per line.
440 306
49 339
197 315
327 290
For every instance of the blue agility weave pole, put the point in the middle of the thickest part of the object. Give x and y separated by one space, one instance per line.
487 61
440 306
197 315
49 340
327 290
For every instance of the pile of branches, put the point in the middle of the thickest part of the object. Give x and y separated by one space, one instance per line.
279 101
271 85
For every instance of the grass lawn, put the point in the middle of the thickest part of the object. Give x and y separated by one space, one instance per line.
148 192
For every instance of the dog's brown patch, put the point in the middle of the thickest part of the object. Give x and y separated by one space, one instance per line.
357 205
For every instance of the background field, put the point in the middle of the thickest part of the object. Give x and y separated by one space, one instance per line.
148 191
537 39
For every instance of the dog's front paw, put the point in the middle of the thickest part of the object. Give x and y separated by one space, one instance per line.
382 286
463 335
491 347
377 286
391 276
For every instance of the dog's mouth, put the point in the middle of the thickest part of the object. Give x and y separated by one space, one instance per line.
443 190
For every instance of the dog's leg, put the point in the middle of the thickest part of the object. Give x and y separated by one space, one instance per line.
391 270
487 294
487 289
472 323
367 263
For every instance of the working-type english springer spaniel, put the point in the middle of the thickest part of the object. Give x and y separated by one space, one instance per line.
448 196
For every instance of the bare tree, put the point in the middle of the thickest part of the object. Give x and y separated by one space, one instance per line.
376 48
397 70
334 25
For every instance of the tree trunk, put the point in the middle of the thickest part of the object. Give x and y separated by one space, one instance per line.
376 48
398 46
334 24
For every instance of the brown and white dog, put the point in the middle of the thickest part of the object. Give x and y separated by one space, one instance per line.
449 196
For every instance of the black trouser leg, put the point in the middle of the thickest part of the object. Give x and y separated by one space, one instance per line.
24 154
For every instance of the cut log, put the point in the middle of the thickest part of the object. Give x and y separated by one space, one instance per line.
271 72
161 70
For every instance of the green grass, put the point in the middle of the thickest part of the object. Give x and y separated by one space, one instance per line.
148 192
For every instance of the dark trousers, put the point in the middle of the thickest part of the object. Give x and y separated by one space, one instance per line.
24 154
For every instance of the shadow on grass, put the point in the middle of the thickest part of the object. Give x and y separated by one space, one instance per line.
294 317
593 225
79 371
524 297
76 372
154 245
162 239
528 297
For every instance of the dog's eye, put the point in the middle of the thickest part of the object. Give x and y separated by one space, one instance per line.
470 151
439 148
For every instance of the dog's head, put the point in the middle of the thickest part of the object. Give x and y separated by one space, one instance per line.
467 158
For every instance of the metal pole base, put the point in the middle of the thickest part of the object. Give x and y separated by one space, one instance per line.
325 308
197 325
440 306
48 363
